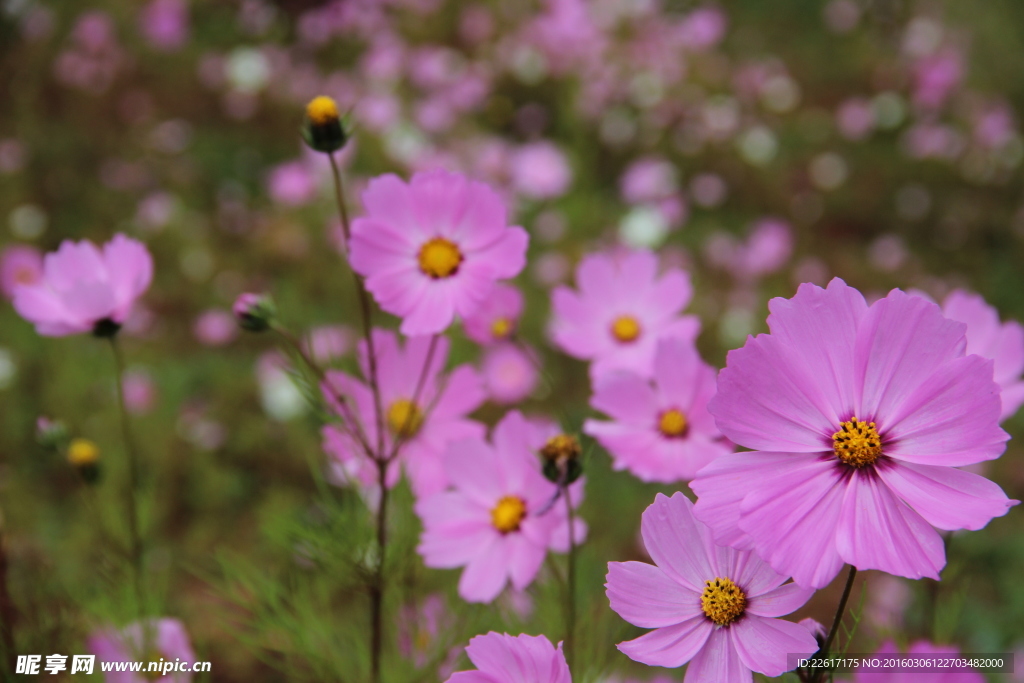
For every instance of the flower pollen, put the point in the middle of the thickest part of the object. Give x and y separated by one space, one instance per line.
626 329
508 514
673 423
857 443
322 110
405 418
501 328
723 601
440 258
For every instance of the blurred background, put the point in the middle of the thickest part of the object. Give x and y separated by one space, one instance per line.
758 145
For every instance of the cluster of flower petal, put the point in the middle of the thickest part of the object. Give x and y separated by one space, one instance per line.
858 418
501 515
501 658
709 605
156 639
427 423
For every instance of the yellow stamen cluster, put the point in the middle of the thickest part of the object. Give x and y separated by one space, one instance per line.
501 328
626 329
322 110
82 452
723 601
404 418
508 514
673 423
857 443
440 258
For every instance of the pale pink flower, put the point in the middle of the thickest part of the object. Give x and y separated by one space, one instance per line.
19 265
509 373
540 170
215 327
140 392
167 639
292 184
433 248
501 658
622 307
84 289
164 23
497 318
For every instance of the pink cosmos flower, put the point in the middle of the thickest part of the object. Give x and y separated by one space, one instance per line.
509 373
84 289
497 318
292 184
164 23
169 640
501 658
921 649
987 337
621 309
540 170
433 248
498 521
858 418
661 429
140 392
708 605
429 422
215 327
19 265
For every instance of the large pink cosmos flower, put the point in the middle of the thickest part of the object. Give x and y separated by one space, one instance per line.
497 318
501 658
922 649
498 522
428 422
859 418
987 337
168 639
433 249
84 289
662 430
621 309
708 605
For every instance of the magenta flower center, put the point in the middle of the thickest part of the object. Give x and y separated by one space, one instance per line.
723 601
508 514
501 327
673 423
405 418
440 258
857 443
626 329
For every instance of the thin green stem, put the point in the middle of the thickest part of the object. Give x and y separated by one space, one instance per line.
840 611
377 589
570 591
135 542
403 432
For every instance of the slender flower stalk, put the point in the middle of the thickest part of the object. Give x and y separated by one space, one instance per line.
840 612
8 612
570 590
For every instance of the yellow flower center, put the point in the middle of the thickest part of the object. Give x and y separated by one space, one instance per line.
322 110
83 452
673 423
508 514
857 443
501 328
722 601
405 418
626 329
440 258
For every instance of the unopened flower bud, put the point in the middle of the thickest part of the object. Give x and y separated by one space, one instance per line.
323 129
561 456
254 312
84 456
52 434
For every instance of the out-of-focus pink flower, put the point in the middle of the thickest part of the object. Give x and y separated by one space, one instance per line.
648 179
501 658
987 337
994 127
292 184
932 141
164 23
84 289
711 606
328 343
767 249
660 431
703 28
566 34
419 626
19 265
855 118
497 318
490 522
139 391
509 373
93 60
621 309
540 170
215 327
167 639
936 76
888 598
427 423
922 649
860 418
434 248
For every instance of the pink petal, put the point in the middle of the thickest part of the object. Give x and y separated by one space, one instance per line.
486 574
90 301
671 646
432 314
644 596
877 531
762 644
718 661
471 466
74 263
625 396
525 560
387 199
675 541
946 497
130 269
463 393
669 295
780 601
505 257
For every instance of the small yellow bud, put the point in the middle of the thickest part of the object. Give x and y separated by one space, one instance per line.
322 110
83 452
563 447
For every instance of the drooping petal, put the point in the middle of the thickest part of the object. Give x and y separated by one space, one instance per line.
763 644
644 596
671 646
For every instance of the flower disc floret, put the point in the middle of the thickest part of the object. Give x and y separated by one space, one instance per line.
405 418
508 514
440 258
626 329
857 443
723 601
673 423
